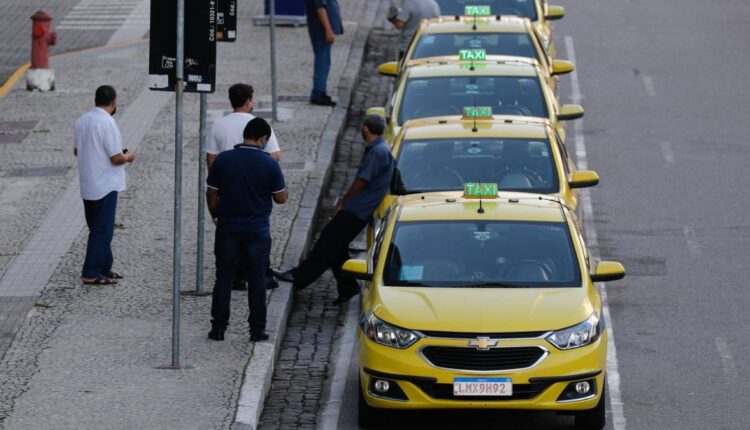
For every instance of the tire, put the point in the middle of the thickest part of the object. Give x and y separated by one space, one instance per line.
367 416
594 419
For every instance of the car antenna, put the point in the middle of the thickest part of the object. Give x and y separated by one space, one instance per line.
474 27
474 129
481 208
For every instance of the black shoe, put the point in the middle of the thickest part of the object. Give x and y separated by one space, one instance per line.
258 337
327 97
271 284
322 101
345 296
239 286
286 276
216 334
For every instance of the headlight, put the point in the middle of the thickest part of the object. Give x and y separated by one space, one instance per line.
385 334
579 335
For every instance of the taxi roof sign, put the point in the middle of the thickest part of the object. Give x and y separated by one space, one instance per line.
472 54
480 190
477 11
475 112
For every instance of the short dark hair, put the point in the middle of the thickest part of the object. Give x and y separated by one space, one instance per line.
256 128
239 94
105 95
375 124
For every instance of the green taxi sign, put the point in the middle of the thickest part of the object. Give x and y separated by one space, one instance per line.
477 11
478 112
480 190
472 54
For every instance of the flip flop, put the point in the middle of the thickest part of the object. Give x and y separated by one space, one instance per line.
115 275
98 281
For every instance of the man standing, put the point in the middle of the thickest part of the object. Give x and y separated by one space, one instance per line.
323 24
225 134
408 19
351 215
241 184
101 159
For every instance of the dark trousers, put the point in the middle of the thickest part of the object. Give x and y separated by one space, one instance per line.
240 277
100 218
252 251
331 251
321 67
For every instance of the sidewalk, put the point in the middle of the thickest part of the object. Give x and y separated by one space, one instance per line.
88 357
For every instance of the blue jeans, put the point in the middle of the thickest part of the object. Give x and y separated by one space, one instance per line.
252 251
100 218
322 51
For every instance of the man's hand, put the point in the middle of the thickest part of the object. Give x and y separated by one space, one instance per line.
330 38
129 156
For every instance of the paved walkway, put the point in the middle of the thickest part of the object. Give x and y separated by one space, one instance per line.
88 357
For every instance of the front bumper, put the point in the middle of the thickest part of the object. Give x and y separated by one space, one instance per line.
426 386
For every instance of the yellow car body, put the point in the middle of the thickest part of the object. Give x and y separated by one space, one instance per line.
460 330
539 12
427 90
440 39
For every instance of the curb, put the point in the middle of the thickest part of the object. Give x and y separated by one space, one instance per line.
259 372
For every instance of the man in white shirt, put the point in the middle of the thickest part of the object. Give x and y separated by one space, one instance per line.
225 134
101 160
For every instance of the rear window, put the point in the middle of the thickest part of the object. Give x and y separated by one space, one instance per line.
523 8
482 254
439 45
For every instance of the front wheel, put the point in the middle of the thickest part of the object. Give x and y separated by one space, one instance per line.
594 419
367 416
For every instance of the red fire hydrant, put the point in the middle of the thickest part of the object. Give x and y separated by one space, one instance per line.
40 76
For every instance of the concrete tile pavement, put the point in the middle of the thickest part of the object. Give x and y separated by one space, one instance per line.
85 357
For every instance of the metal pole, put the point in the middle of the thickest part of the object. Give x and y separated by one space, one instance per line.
179 77
201 196
272 6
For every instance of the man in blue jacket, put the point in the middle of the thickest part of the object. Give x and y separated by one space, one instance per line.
323 24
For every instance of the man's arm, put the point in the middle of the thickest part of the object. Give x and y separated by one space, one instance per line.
358 185
120 159
210 160
280 197
323 16
212 201
276 155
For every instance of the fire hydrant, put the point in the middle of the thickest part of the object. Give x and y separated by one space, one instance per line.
40 76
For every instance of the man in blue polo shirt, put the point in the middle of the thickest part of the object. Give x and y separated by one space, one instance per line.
241 185
323 24
351 215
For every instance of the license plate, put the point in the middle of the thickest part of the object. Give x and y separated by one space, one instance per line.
482 387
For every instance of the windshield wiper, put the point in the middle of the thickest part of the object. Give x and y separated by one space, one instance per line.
490 285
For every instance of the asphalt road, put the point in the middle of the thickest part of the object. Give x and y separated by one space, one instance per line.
666 98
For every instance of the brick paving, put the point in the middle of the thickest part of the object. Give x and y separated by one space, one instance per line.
296 396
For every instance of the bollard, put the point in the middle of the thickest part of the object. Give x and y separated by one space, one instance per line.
40 76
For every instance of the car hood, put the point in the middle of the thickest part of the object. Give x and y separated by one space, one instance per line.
485 310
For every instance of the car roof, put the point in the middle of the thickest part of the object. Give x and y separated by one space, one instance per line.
462 24
452 206
502 126
508 66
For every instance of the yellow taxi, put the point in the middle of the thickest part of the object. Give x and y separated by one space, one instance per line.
517 153
538 11
443 38
510 86
487 303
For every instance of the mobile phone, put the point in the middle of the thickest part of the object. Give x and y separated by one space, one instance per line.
125 151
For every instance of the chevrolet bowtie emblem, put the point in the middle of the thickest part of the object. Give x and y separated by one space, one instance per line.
484 343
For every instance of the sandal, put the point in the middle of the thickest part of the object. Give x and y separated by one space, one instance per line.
101 280
115 275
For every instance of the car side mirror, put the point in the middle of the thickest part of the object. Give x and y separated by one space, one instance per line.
583 179
376 111
554 13
388 69
570 112
608 271
356 269
562 67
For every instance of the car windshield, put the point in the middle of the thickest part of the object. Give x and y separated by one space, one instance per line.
507 95
523 8
481 254
447 164
439 45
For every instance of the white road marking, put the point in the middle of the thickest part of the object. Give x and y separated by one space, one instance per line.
692 242
648 82
666 149
613 372
722 345
345 352
130 16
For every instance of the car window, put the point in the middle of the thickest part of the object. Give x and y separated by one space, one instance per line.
438 45
447 164
507 95
482 254
524 8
